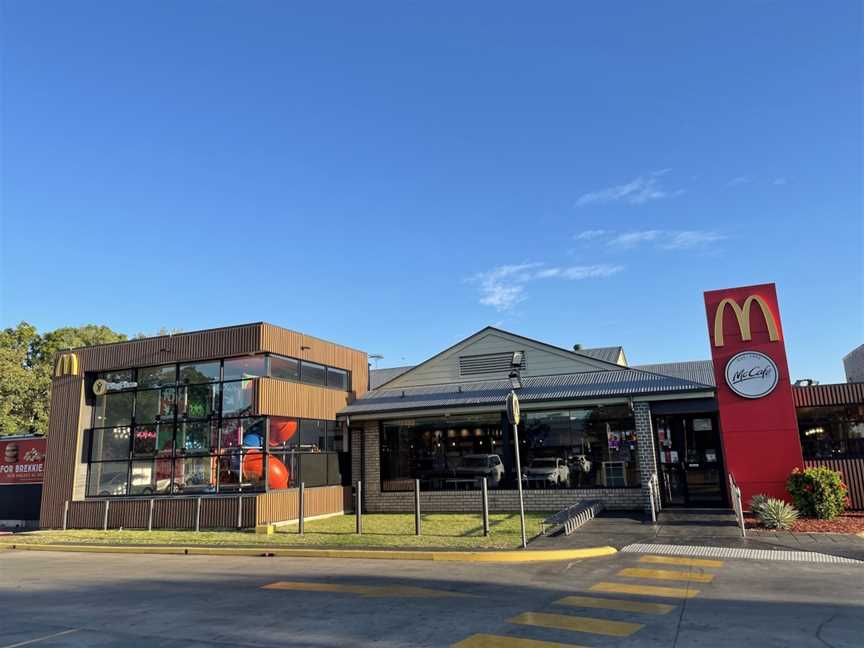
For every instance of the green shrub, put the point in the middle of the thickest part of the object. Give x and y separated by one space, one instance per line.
817 492
756 503
777 514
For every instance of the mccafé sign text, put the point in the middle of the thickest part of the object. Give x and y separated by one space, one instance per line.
751 374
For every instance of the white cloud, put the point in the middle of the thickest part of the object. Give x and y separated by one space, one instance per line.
587 235
638 191
667 239
737 182
504 287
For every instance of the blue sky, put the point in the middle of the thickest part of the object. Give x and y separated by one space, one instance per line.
395 176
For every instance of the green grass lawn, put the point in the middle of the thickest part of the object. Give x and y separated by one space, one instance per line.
393 530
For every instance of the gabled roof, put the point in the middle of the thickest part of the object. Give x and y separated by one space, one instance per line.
607 354
598 363
697 371
378 377
588 385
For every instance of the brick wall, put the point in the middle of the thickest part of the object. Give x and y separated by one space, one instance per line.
647 454
376 501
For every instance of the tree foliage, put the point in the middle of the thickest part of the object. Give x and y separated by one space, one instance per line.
26 363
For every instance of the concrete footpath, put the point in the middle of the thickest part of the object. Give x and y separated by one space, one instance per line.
698 527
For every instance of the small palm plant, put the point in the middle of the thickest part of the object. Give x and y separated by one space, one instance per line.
756 503
777 514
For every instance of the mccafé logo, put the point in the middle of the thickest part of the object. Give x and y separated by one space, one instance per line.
67 365
751 374
743 317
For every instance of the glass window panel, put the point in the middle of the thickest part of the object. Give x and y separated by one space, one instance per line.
337 379
312 374
282 470
197 437
144 441
284 368
160 376
195 475
244 432
237 397
119 376
113 409
111 443
245 367
229 473
199 372
334 437
108 479
284 432
252 470
312 435
198 401
155 404
152 477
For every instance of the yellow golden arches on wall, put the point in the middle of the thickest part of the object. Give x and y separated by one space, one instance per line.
67 365
743 317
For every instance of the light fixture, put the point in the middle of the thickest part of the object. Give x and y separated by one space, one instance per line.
515 379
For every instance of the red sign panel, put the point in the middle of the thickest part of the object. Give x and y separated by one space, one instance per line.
22 461
754 394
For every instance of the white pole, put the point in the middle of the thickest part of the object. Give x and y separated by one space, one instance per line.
519 484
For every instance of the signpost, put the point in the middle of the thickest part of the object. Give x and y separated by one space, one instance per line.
513 415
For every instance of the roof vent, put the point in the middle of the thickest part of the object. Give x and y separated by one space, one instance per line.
577 347
487 363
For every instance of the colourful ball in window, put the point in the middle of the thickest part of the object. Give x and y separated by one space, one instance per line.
281 431
252 440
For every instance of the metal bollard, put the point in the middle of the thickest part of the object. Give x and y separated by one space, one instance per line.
358 507
485 508
150 517
198 515
105 521
417 507
65 513
302 508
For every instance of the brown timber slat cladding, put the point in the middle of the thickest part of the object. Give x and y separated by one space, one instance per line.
826 395
175 513
281 398
279 506
853 475
60 453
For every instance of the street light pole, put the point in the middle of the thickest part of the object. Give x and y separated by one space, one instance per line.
515 399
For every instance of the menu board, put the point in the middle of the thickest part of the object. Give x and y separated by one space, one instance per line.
22 461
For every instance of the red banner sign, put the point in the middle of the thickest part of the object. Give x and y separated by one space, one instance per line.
22 461
758 424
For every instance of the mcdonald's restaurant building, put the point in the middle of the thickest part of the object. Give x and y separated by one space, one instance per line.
218 428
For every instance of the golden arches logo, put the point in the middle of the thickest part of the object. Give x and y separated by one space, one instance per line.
743 317
67 365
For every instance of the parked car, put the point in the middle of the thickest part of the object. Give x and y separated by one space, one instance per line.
482 465
551 471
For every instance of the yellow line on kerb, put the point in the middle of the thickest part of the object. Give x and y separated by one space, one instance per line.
577 623
689 562
615 604
666 574
645 590
364 590
500 641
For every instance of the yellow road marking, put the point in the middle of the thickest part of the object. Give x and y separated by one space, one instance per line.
690 562
646 590
616 604
499 641
666 574
364 590
577 623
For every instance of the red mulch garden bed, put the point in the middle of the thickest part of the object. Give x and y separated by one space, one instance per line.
849 522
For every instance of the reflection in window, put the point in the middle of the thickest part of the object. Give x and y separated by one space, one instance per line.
157 376
195 474
237 397
284 368
198 401
107 479
151 477
109 444
283 432
197 437
312 434
114 408
312 374
337 379
245 367
155 404
199 372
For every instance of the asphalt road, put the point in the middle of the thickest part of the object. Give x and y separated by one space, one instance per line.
95 600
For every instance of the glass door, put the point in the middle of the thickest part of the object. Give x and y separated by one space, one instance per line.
689 460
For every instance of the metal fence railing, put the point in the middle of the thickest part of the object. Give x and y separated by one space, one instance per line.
735 496
654 496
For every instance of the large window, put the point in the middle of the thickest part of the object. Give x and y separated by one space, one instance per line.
181 429
831 432
579 448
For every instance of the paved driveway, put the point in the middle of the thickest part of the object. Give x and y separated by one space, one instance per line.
67 599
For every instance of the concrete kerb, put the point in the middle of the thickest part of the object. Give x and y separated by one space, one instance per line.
514 556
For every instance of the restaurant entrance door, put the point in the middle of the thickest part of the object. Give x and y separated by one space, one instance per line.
690 460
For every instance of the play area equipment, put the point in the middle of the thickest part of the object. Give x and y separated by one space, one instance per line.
282 430
278 475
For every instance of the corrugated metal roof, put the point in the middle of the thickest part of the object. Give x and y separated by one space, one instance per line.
606 354
698 371
578 386
826 395
378 377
